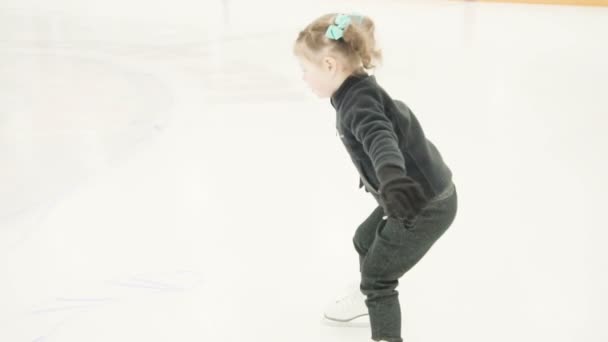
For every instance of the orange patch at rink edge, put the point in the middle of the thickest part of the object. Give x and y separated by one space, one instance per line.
556 2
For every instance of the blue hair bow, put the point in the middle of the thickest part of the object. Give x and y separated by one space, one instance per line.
336 30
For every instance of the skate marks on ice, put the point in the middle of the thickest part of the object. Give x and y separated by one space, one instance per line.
114 295
70 114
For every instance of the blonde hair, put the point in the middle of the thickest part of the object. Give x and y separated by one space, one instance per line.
357 47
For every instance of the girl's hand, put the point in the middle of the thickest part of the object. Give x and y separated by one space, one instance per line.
401 197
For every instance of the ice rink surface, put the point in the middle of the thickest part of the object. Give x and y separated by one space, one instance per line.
167 176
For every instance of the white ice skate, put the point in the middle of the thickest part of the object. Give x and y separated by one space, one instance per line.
348 310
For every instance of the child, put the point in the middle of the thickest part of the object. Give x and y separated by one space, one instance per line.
404 171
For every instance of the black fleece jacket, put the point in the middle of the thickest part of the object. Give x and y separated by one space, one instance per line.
383 134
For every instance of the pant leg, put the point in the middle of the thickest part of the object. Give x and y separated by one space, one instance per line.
366 233
395 249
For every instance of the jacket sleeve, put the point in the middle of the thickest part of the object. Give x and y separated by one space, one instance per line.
366 119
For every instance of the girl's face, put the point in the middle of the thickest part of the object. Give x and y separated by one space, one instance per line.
320 78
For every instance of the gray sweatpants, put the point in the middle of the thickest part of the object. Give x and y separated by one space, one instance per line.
387 249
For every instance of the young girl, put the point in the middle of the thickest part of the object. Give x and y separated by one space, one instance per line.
402 169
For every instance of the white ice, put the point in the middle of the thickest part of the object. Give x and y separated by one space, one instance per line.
167 176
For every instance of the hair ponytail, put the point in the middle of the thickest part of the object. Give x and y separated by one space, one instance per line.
357 45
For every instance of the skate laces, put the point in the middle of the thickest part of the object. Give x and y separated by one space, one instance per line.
350 298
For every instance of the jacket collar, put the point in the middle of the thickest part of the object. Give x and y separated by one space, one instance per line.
338 96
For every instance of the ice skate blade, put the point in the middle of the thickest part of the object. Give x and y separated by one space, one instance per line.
358 322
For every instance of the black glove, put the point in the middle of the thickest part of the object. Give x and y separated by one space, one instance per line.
401 197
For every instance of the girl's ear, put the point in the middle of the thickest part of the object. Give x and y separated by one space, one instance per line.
330 64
